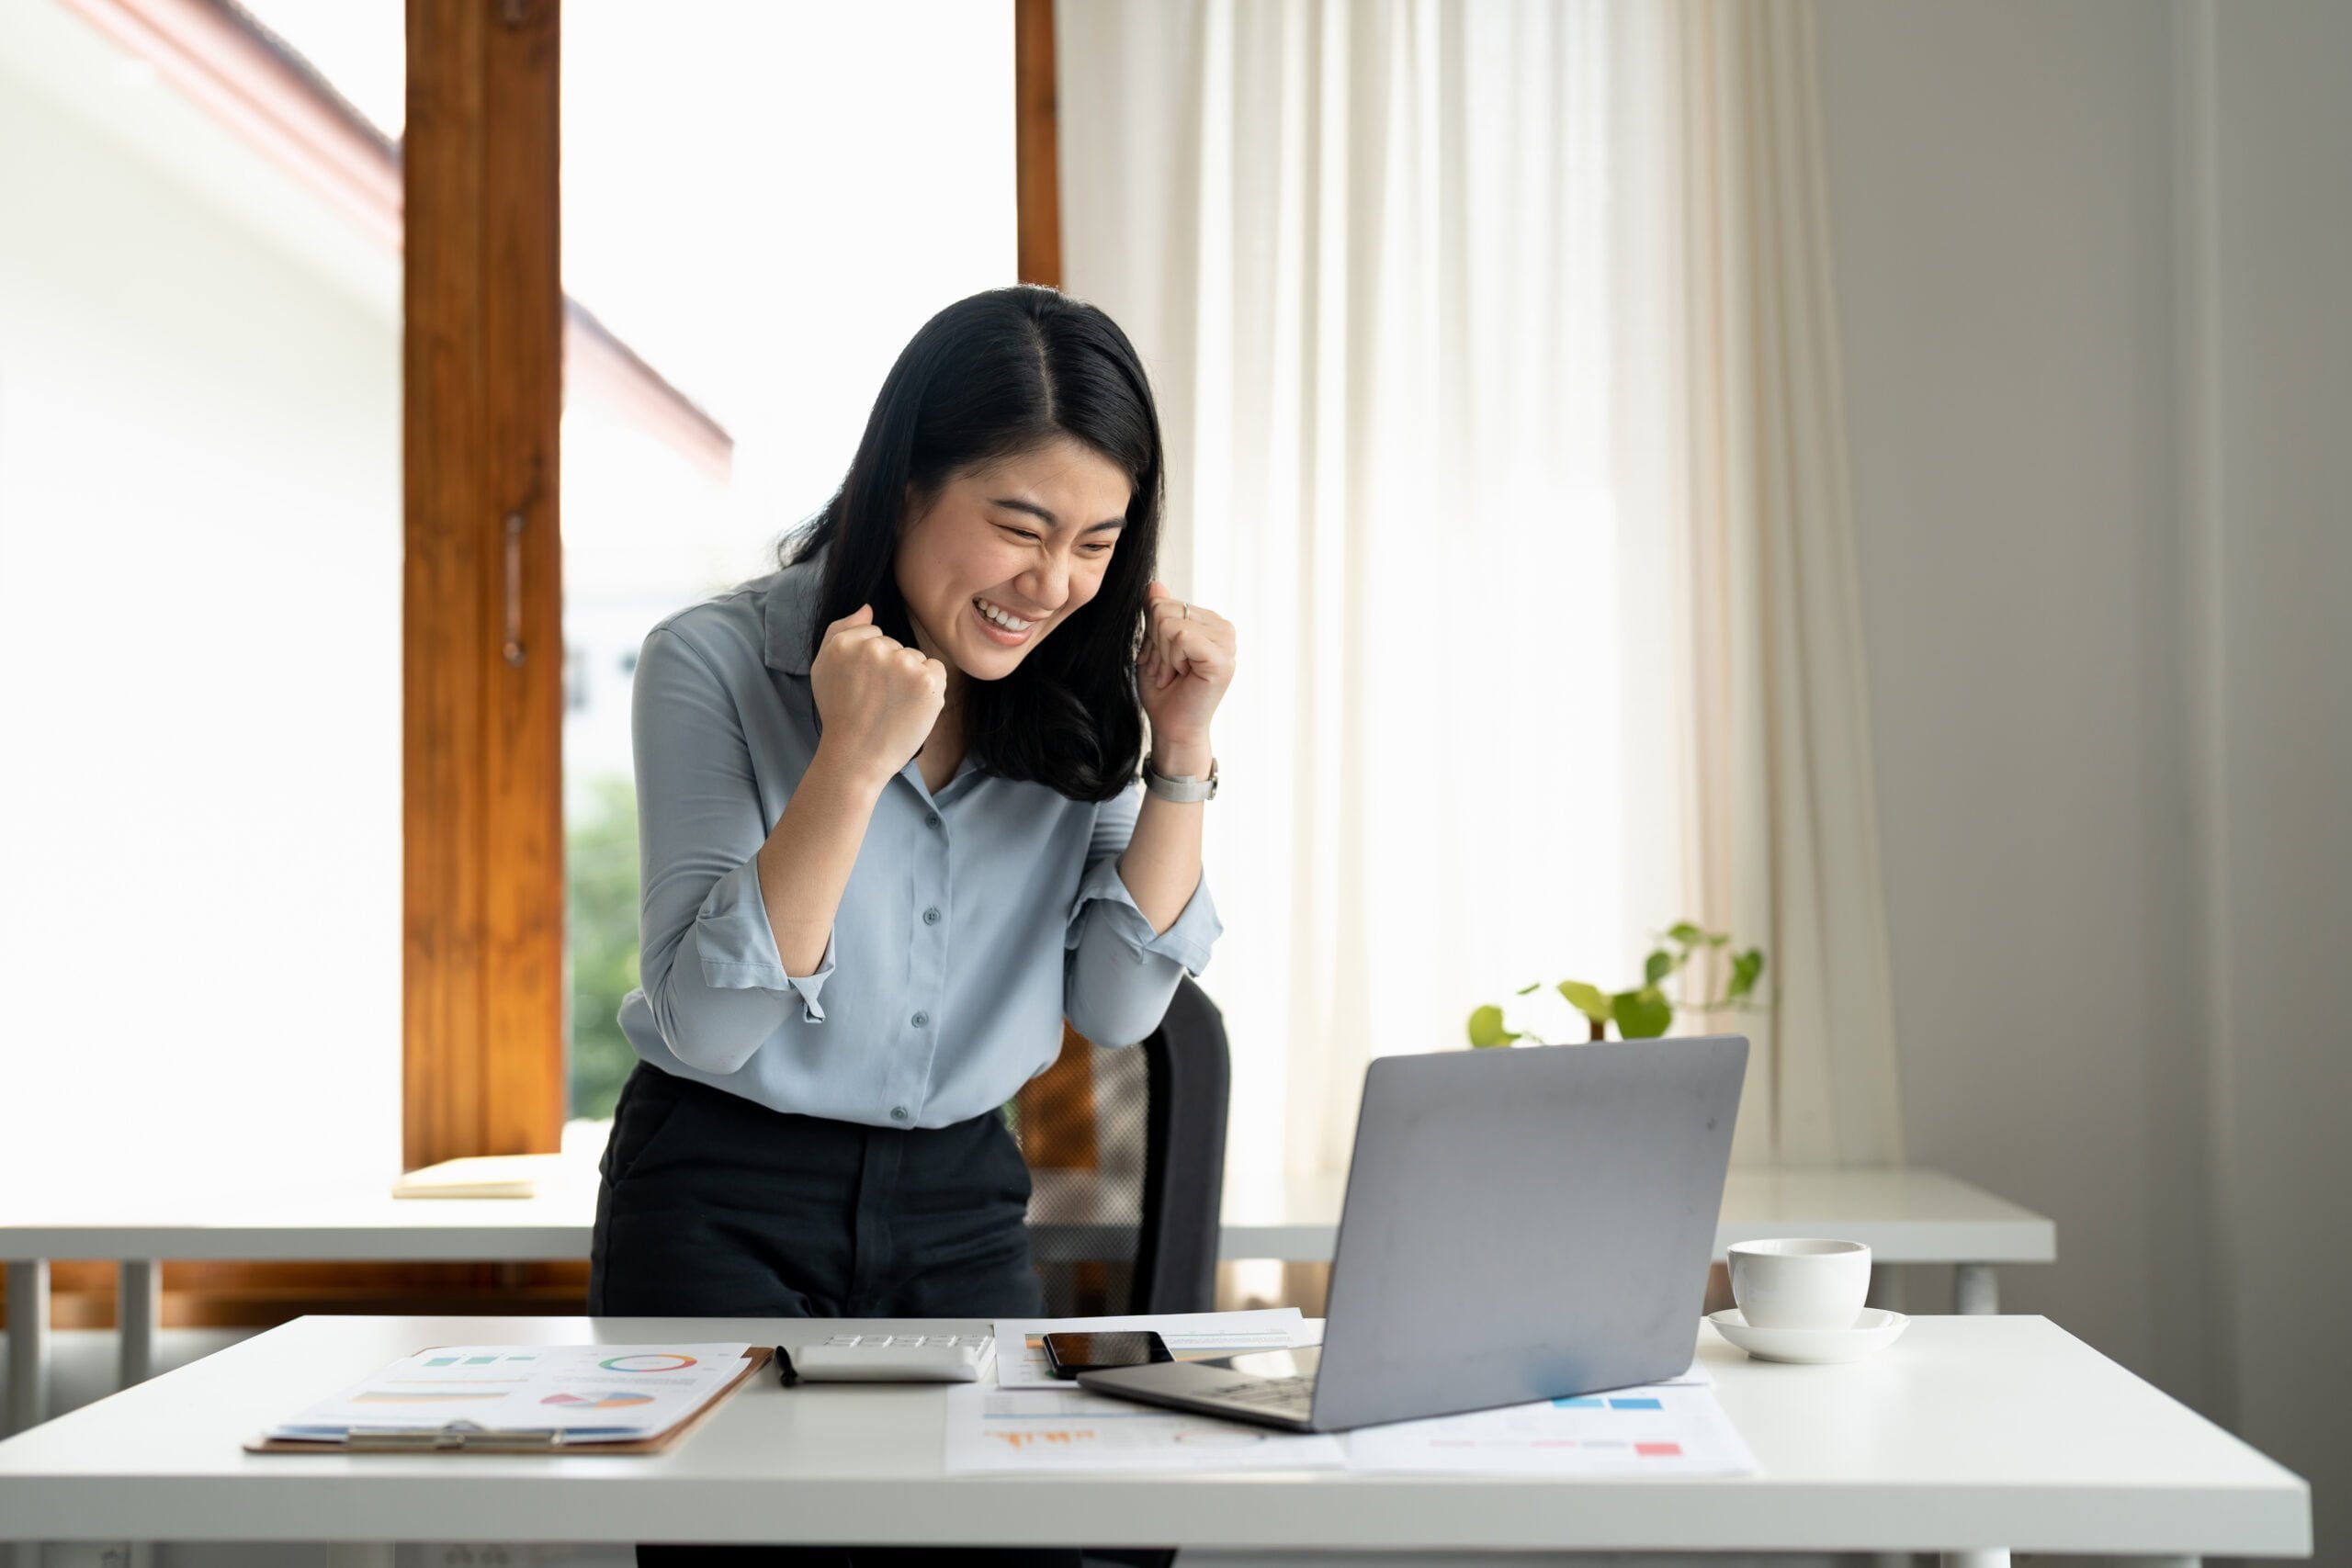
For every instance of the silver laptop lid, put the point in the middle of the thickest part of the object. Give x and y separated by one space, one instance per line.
1525 1221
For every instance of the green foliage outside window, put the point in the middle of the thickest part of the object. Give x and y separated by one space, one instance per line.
600 862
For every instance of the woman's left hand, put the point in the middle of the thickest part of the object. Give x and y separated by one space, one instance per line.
1185 666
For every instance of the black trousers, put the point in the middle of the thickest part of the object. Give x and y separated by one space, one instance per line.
714 1206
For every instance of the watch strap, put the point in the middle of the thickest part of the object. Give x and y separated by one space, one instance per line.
1182 788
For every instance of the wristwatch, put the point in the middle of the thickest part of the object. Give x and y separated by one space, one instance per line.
1184 788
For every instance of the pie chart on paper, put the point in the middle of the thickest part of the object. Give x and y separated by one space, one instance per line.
596 1402
654 1361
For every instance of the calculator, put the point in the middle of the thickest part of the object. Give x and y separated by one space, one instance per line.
890 1357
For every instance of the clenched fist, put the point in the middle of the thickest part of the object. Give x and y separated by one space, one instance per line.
876 697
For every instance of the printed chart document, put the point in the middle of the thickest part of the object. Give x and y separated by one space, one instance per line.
1062 1429
1190 1336
567 1394
1670 1428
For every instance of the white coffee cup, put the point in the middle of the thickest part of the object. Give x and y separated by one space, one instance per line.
1800 1282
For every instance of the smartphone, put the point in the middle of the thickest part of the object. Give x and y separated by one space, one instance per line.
1066 1355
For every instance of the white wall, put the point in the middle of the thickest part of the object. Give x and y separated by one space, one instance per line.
2278 522
2112 776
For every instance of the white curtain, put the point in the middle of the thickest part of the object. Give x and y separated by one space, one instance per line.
1736 455
1440 320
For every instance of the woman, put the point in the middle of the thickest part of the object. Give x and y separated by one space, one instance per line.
891 837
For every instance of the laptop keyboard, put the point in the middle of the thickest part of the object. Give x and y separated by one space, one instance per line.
1298 1390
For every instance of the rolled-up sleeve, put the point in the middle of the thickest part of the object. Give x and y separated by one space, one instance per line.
1119 974
714 980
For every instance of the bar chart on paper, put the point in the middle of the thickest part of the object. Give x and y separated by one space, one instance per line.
1668 1429
1038 1430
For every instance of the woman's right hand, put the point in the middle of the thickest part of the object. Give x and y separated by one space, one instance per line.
877 698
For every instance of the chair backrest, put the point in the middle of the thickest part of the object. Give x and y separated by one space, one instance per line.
1127 1155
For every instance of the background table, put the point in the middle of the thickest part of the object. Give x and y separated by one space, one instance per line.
1906 1216
1970 1435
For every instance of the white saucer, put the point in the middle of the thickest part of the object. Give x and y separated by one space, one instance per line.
1872 1332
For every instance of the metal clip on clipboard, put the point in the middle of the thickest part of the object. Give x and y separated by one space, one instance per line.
457 1435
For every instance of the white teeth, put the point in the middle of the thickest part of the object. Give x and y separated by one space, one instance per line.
999 618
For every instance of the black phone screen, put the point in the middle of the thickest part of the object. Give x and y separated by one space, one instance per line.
1070 1354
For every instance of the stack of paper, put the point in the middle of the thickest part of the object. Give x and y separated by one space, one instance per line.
478 1175
1036 1423
1066 1429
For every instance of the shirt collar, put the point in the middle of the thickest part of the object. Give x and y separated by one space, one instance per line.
791 613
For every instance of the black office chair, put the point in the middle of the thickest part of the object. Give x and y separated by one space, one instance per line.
1126 1156
1126 1159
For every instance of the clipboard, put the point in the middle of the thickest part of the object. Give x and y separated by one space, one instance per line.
463 1440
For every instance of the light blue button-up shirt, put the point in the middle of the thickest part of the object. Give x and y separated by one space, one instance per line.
973 923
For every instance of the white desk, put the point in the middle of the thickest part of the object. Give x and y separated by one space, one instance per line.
1970 1435
1906 1216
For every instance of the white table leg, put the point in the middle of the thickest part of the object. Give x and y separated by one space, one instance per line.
139 1306
27 1344
1976 1290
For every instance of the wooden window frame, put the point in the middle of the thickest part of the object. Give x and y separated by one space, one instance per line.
482 702
1036 143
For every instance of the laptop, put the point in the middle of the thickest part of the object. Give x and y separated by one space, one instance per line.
1522 1223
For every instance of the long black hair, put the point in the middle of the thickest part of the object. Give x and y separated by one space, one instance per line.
993 376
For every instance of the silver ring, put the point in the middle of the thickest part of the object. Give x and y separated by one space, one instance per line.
1188 612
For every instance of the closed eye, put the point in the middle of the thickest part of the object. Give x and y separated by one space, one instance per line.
1101 549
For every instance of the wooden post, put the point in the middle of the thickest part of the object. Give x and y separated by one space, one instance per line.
1036 143
482 394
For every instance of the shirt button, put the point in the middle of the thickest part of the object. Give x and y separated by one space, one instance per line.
931 917
931 819
900 1113
921 1018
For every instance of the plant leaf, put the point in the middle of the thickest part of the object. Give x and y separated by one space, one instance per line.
1589 1000
1487 1027
1528 986
1716 939
1687 934
1745 969
1656 967
1645 1014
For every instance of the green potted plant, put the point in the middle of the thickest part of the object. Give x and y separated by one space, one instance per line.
1644 1012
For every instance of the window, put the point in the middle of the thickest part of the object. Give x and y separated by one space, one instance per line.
199 607
205 270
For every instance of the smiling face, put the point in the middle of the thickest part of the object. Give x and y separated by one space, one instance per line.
1025 541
